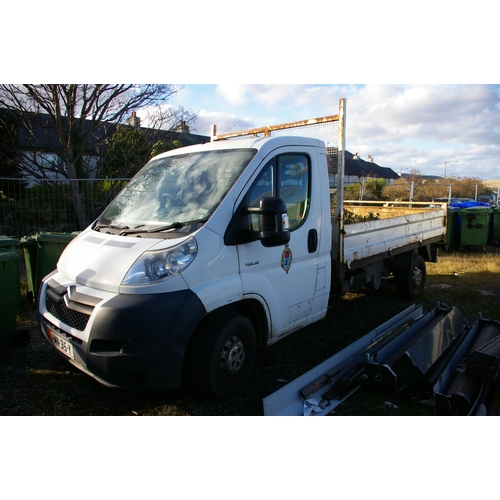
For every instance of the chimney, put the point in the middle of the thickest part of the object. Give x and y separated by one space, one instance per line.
182 128
370 158
134 121
355 156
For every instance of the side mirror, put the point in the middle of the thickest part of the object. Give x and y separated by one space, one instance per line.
274 227
271 219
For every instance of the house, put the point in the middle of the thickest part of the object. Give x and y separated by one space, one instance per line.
180 134
420 177
356 169
37 142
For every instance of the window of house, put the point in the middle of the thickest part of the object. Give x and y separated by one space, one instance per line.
53 162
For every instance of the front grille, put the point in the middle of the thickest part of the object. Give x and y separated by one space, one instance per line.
62 307
71 318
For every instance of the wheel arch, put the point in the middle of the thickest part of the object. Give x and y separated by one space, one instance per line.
404 260
251 308
221 354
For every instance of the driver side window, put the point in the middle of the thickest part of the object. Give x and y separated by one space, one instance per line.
294 187
286 177
263 187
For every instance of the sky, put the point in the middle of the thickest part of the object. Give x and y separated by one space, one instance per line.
422 83
430 128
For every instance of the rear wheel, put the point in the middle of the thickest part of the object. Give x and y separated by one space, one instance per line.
224 355
411 282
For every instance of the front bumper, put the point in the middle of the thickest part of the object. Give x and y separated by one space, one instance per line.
128 341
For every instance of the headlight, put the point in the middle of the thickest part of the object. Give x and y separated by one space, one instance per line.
155 266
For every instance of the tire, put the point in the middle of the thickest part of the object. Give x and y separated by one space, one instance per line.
224 355
411 282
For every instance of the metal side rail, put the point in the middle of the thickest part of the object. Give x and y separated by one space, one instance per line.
326 386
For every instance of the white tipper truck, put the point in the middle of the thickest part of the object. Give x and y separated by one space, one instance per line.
216 250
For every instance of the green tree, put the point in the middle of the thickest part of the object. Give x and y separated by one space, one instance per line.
352 191
129 149
163 146
374 189
125 153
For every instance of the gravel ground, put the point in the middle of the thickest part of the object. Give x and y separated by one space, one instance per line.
36 380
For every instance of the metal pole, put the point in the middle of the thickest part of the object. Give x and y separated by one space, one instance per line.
456 161
339 209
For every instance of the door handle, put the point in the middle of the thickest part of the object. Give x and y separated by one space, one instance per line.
312 241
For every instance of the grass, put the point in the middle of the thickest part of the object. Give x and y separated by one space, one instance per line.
468 280
37 381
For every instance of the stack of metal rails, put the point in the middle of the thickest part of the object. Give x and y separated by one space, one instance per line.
436 355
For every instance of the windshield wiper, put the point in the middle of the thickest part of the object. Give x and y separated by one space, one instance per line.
98 227
174 225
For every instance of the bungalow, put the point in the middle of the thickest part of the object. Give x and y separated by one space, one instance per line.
357 169
36 144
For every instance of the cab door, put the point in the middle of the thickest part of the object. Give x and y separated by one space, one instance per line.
284 277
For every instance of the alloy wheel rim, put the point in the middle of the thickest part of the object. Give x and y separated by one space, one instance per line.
232 356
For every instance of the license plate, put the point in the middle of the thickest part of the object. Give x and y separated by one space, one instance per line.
61 343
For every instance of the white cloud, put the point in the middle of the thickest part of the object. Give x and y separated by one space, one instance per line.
236 95
225 122
269 95
402 126
427 125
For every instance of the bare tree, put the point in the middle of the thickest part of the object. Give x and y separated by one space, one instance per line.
59 125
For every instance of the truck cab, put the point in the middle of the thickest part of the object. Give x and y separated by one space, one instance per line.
209 253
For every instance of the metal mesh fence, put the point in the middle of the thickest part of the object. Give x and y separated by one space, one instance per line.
326 129
29 207
328 132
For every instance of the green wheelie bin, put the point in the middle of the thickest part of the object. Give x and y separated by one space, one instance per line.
495 225
41 252
474 225
9 292
29 247
452 231
10 244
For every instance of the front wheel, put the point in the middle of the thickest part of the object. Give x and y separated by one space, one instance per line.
224 355
411 282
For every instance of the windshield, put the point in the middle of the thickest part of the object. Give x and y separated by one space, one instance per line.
174 190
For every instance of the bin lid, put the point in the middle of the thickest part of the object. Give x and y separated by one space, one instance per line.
7 241
6 256
473 204
28 240
475 210
54 237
